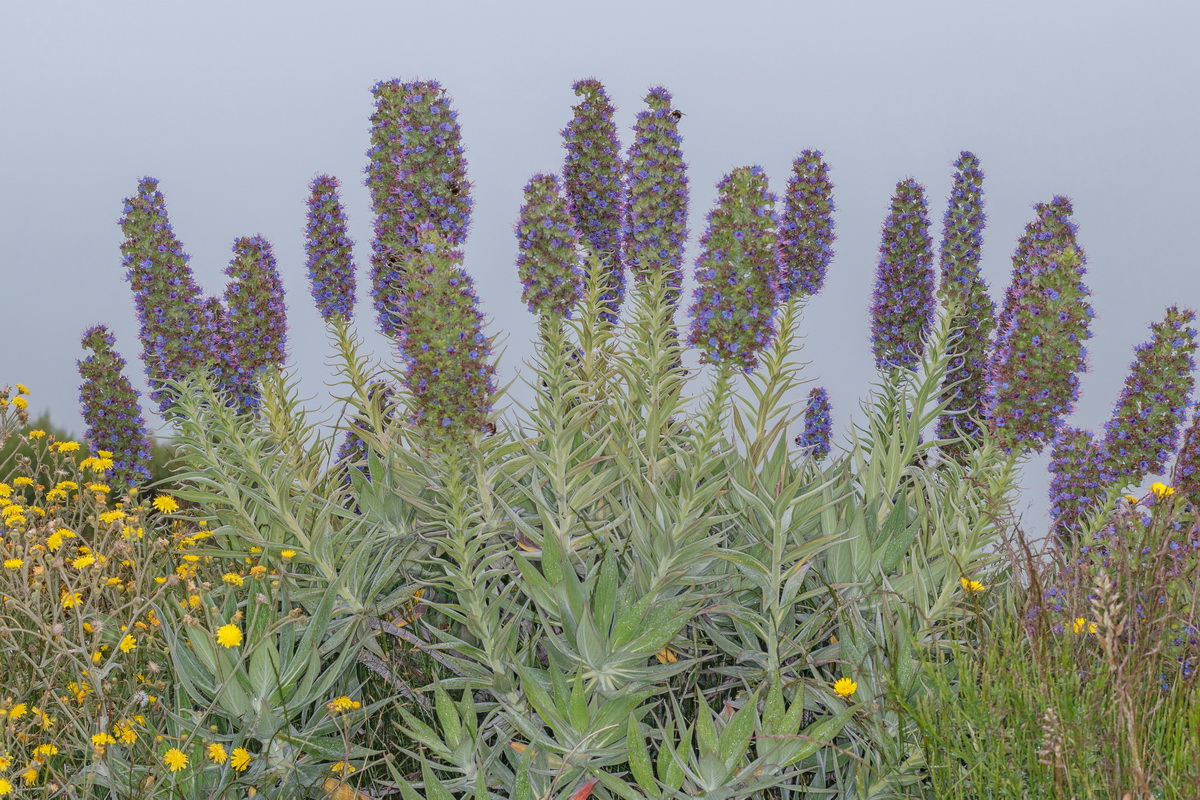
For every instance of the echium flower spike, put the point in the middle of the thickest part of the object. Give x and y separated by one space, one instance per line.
965 384
733 307
1185 475
592 176
330 250
818 424
1033 377
417 176
111 410
656 231
175 335
1143 432
256 317
548 255
902 307
447 356
1053 231
806 232
1077 485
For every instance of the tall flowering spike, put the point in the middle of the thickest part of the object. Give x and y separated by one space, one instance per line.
1185 475
1052 231
330 250
902 307
548 255
1077 485
175 337
1033 377
417 176
961 282
806 228
733 307
111 410
447 356
1143 432
592 174
818 424
256 317
656 229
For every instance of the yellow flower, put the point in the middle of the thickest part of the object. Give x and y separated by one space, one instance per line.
22 480
128 643
44 751
5 490
1081 624
232 578
166 504
66 447
71 599
971 587
109 517
67 486
17 711
83 562
98 487
101 739
1161 490
14 563
29 776
342 768
36 434
288 553
21 403
125 733
844 687
241 759
216 753
5 762
175 759
229 636
343 703
258 571
22 389
665 656
5 787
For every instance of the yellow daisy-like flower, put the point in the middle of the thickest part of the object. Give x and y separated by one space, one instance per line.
22 389
5 762
6 788
166 504
287 554
1082 624
125 733
14 563
21 403
343 703
241 759
128 643
71 599
175 759
844 687
66 447
18 711
109 517
229 636
216 753
343 769
38 434
102 739
22 480
29 776
5 490
44 751
1161 490
233 579
67 486
258 571
971 587
83 562
99 488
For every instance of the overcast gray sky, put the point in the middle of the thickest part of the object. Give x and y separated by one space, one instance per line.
236 106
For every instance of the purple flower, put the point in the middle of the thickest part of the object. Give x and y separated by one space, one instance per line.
806 228
111 410
448 367
733 307
656 218
965 384
255 319
1077 485
592 175
175 335
1052 232
902 306
1143 432
417 177
330 251
1185 475
818 424
548 256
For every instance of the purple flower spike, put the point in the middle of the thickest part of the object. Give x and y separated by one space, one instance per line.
1185 475
548 259
1033 378
330 251
902 307
818 424
176 339
733 307
111 410
592 174
417 176
447 356
1077 485
806 230
656 219
961 282
1143 432
256 317
1052 232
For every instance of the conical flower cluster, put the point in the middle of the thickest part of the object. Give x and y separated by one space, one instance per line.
176 333
447 357
656 223
592 174
1185 476
1033 378
902 306
1051 232
965 384
1143 432
818 424
548 254
330 250
417 176
1077 483
737 272
255 319
806 227
111 410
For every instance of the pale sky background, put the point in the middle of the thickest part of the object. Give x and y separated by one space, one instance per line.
236 106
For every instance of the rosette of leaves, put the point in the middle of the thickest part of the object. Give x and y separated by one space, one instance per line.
548 256
806 230
111 409
902 305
